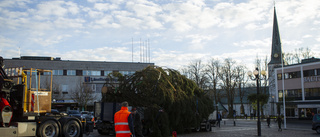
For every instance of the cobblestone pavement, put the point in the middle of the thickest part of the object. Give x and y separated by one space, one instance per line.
248 128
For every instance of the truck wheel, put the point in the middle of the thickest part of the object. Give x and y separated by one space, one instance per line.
208 126
71 129
198 128
318 130
49 129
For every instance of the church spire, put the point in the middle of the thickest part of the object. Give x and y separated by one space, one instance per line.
276 42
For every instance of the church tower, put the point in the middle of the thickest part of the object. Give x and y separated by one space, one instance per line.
276 54
276 42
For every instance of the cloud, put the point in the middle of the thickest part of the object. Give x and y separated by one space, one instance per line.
51 40
15 3
105 6
192 27
174 59
67 23
254 43
6 42
57 8
198 41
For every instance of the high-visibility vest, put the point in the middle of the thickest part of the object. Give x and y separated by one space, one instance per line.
121 123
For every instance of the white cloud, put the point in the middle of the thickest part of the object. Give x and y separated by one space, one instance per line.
307 36
297 12
50 40
6 42
174 59
105 6
15 3
100 54
192 27
198 41
254 43
69 23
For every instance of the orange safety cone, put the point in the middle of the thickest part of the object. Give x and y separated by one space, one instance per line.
174 134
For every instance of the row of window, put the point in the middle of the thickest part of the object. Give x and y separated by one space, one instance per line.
297 74
297 93
85 72
65 89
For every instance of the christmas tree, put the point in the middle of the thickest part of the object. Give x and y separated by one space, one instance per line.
171 102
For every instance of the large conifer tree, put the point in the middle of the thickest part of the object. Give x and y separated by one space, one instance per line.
171 102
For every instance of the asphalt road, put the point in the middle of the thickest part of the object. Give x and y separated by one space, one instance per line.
248 128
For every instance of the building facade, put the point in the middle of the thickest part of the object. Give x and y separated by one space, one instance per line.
68 75
301 87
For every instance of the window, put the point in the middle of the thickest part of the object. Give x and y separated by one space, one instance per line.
64 88
294 93
318 72
294 74
86 73
286 76
107 72
127 72
57 72
71 72
79 72
312 92
308 73
46 73
279 76
91 73
96 73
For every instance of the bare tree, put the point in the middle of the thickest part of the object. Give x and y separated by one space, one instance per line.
307 53
298 55
196 72
57 91
228 77
241 82
212 73
83 94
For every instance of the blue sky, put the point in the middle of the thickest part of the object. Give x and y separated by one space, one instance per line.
176 31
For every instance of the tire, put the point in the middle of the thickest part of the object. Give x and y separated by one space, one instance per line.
318 130
49 128
71 129
208 127
198 128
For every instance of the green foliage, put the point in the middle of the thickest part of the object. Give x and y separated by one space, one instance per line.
172 102
263 98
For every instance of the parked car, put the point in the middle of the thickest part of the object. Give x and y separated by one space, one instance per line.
316 123
75 113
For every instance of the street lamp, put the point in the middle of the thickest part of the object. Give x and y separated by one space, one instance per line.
257 78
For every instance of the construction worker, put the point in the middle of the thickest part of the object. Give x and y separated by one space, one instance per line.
123 122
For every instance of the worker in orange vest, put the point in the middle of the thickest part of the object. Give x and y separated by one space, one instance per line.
123 122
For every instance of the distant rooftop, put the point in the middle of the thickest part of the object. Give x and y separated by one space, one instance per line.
309 60
37 58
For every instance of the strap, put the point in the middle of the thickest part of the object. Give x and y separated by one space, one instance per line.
117 132
121 123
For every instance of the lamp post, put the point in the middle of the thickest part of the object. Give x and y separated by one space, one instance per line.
257 78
